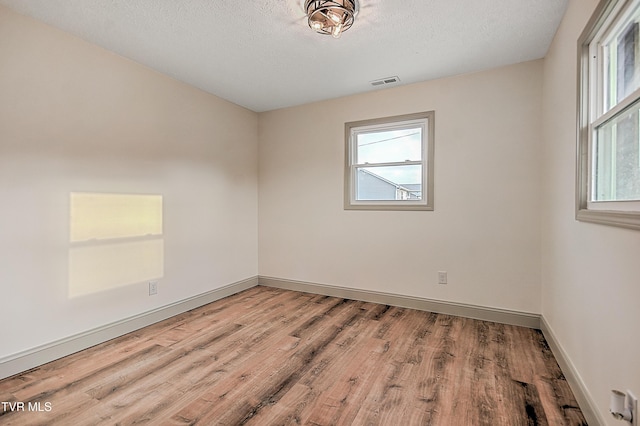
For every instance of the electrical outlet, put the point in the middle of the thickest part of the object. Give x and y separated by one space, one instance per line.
442 277
632 404
153 288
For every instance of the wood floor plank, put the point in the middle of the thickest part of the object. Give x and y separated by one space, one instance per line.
324 374
428 379
339 399
269 384
268 356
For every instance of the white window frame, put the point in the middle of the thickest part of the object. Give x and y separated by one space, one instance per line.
592 114
426 120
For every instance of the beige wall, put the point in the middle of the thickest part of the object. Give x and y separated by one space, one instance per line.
75 118
590 284
485 228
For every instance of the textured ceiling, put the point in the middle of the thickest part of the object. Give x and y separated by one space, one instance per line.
262 55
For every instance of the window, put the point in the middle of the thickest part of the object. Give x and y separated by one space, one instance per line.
389 163
609 116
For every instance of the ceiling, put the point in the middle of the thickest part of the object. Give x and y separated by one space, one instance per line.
261 54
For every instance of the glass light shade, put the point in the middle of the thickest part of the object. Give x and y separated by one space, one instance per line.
337 31
331 17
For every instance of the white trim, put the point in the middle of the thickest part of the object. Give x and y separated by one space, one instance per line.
25 360
504 316
424 120
621 219
590 115
622 106
620 206
581 392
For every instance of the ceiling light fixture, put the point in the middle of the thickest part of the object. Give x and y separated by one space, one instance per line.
331 17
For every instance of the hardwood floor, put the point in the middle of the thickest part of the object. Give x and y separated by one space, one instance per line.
274 357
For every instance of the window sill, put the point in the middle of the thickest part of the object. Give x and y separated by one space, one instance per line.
629 220
387 206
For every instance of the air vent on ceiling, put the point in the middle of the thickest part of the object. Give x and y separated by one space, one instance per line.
384 81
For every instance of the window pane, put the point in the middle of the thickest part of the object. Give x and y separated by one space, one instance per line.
622 61
389 146
616 160
389 183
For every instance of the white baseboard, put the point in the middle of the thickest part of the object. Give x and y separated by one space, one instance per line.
580 391
503 316
34 357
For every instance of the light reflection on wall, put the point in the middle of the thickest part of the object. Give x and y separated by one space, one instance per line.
115 240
